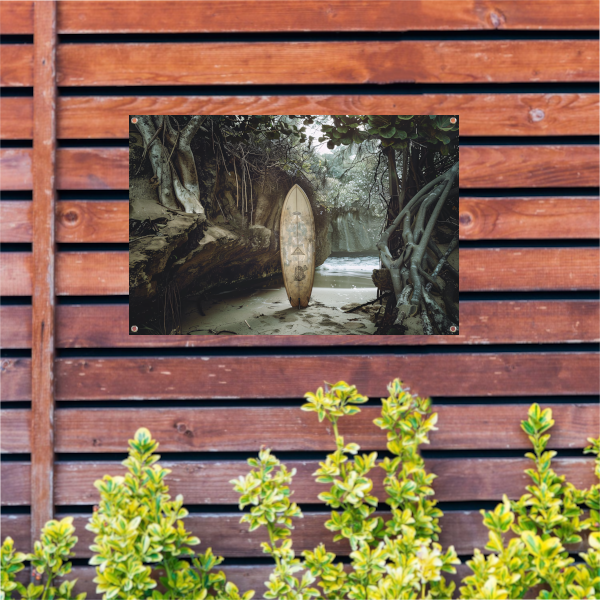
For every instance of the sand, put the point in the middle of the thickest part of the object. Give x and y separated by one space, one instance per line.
268 312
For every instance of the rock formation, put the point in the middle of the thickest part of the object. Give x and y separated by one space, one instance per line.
204 252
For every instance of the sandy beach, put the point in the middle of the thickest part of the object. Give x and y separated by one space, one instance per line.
340 284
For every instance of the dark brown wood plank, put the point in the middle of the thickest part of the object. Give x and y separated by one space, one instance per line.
17 65
555 321
285 377
16 326
77 274
290 429
482 269
304 15
15 221
529 218
504 269
43 272
105 117
531 322
93 169
16 485
92 221
334 15
529 166
16 379
211 63
15 269
17 527
92 273
16 17
227 537
76 221
16 114
458 479
16 431
481 167
15 166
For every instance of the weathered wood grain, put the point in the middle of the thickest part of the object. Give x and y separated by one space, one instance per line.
290 429
15 269
481 167
280 377
105 117
77 274
460 479
240 63
43 263
227 537
15 221
16 326
76 221
529 166
212 16
16 431
92 273
529 218
15 167
482 269
15 478
16 379
92 221
556 321
480 219
16 69
503 269
16 114
93 168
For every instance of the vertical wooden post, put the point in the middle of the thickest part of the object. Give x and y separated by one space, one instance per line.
42 348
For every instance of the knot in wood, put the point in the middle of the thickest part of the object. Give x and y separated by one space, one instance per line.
465 219
181 427
71 216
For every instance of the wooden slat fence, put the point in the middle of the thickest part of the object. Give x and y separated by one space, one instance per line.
523 77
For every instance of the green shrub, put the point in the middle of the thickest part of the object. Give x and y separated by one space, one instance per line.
142 549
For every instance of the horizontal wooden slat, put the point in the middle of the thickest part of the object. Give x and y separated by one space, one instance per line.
510 373
16 115
290 429
481 167
536 321
92 273
240 63
16 379
502 269
77 273
15 221
227 537
16 483
458 479
16 431
92 221
214 16
529 166
92 168
482 269
15 168
76 221
529 218
480 219
16 326
16 69
105 117
15 269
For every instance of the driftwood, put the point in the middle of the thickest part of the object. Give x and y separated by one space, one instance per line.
367 303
